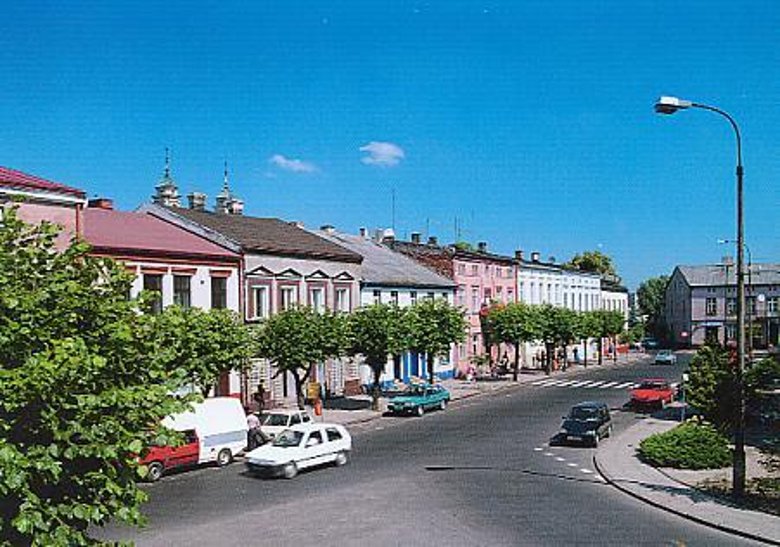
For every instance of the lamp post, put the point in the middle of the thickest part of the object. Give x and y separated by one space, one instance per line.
749 315
670 105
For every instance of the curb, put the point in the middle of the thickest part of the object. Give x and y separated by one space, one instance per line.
716 526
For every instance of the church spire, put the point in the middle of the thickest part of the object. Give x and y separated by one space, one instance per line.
226 201
167 193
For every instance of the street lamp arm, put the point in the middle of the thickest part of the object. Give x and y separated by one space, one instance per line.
734 125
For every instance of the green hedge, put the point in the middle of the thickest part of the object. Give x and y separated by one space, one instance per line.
687 446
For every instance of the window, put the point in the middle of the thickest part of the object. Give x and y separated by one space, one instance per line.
488 295
731 306
474 269
333 434
731 332
750 301
181 291
394 297
295 419
342 299
772 304
317 298
288 297
461 269
445 296
260 302
430 296
520 292
711 306
510 295
315 438
377 297
474 298
153 282
413 296
461 296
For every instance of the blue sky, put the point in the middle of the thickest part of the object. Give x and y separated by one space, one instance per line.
529 122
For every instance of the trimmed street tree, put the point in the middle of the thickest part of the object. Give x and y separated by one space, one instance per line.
515 323
296 339
434 325
377 332
711 386
557 327
586 328
82 389
204 343
650 298
606 324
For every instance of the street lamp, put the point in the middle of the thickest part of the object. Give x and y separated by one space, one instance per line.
670 105
749 315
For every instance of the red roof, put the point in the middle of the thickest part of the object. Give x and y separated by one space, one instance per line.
17 179
125 232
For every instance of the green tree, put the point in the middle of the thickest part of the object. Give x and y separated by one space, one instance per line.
593 261
711 386
557 327
650 299
296 339
204 343
515 323
82 389
606 324
377 332
435 325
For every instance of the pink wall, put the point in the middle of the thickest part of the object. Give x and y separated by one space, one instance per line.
69 217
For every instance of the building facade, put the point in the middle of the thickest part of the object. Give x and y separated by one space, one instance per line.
40 200
390 277
701 305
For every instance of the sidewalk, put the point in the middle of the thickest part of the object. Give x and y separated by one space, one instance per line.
617 462
357 409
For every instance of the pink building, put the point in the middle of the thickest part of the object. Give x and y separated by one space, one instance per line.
481 279
42 199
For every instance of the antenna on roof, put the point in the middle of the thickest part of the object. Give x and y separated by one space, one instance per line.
167 171
392 208
225 179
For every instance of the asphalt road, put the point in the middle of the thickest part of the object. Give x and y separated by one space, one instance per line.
479 473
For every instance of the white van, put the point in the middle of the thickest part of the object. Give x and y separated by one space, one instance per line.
214 431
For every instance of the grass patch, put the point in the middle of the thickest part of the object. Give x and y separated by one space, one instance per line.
688 446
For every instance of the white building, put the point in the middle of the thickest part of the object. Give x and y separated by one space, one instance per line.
387 276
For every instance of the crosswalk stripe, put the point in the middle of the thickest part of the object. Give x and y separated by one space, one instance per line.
608 384
539 382
570 382
554 383
578 384
595 384
623 385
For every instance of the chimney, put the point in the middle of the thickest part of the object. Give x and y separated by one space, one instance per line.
363 232
728 260
416 237
101 203
296 223
197 201
433 241
535 256
551 259
519 255
328 228
482 246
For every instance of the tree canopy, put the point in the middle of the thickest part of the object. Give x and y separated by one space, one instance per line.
515 324
593 261
435 325
83 388
650 298
296 339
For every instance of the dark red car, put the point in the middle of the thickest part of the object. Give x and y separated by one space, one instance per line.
652 393
160 459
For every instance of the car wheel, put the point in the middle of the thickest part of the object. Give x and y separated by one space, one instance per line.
609 431
290 471
154 471
420 410
341 459
224 457
596 440
443 404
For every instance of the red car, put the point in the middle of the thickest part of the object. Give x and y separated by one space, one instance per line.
162 458
652 393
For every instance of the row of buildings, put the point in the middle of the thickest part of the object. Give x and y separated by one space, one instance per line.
222 258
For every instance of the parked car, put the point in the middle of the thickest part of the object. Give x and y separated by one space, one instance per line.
665 357
418 398
652 393
299 447
649 343
214 431
276 421
586 423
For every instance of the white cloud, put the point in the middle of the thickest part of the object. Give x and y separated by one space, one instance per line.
294 165
383 154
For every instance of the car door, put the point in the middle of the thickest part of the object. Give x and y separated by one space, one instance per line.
314 449
186 454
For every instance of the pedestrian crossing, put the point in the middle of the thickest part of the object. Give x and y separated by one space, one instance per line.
584 384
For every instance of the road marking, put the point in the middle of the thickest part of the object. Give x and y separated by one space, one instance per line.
586 471
554 383
581 383
608 384
380 428
595 384
624 384
540 382
570 382
559 459
549 454
572 464
537 449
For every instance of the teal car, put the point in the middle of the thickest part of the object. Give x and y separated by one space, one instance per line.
418 398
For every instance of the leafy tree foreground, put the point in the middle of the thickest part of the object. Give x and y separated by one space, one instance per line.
81 389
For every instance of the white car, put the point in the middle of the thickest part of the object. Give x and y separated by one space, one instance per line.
276 421
300 447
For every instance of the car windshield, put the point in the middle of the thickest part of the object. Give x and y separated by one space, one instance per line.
583 413
664 353
415 390
288 437
653 385
275 419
